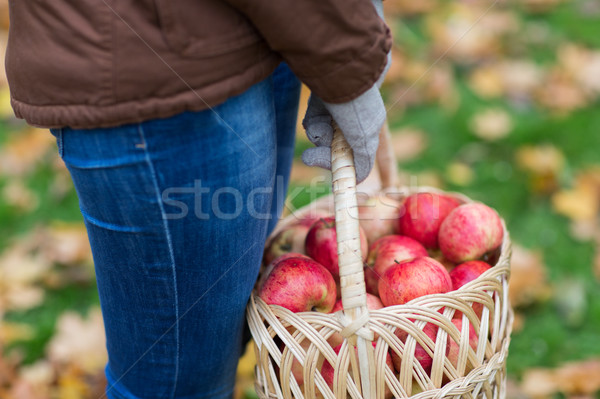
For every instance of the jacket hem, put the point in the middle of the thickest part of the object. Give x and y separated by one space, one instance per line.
79 116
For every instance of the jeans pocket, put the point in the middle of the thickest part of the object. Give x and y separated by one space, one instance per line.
58 133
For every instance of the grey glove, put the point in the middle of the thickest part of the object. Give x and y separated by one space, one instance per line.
360 120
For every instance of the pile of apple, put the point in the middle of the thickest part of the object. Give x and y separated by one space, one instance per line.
428 244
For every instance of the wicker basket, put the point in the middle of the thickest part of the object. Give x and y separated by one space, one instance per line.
281 336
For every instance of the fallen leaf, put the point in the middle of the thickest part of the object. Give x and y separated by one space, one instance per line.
521 77
408 143
408 7
71 385
543 163
486 81
65 243
491 124
460 174
20 272
580 203
24 150
539 383
10 332
79 341
561 93
571 379
528 277
15 193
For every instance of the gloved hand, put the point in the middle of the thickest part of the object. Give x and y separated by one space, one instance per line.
360 120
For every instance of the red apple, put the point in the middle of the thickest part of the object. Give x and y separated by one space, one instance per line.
411 279
327 370
439 256
378 216
297 369
373 303
423 214
421 354
300 285
464 273
454 346
290 239
271 265
321 245
388 250
371 280
469 232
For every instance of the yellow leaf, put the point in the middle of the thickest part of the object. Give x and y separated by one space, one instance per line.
460 174
486 82
578 204
10 332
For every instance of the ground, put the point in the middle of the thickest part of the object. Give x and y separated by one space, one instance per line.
495 99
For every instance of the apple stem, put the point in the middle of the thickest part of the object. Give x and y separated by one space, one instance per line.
327 225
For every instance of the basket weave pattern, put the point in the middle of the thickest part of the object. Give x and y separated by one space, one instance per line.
283 338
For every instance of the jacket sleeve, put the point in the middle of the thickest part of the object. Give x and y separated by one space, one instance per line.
338 48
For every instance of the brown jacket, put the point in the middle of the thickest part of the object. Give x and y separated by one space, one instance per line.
100 63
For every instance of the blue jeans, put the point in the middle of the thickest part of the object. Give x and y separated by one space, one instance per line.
177 211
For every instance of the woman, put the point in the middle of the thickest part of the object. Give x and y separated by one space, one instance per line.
176 121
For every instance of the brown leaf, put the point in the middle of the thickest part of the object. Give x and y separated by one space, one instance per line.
408 143
65 243
20 272
571 379
20 196
543 163
528 277
22 152
79 341
539 383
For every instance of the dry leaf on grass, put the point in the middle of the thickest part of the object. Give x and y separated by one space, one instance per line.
24 150
408 7
572 379
10 332
408 143
15 193
65 243
581 203
79 341
528 279
460 174
486 81
543 163
20 273
491 124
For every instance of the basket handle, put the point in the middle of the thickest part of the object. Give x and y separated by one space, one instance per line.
386 160
352 281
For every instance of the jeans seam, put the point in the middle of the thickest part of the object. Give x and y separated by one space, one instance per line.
171 252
